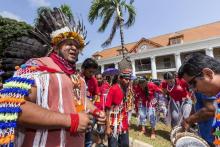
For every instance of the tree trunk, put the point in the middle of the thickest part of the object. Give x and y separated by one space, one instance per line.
121 21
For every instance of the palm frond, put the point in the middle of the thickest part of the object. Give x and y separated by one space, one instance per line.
113 31
66 9
131 15
106 20
131 1
97 6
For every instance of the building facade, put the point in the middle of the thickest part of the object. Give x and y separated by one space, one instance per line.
155 56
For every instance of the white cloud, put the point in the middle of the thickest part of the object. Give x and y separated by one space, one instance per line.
39 3
10 15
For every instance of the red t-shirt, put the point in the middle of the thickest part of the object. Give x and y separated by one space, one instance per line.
93 89
140 95
179 91
152 89
103 89
115 98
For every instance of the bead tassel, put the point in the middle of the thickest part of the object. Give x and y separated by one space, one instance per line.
216 125
11 97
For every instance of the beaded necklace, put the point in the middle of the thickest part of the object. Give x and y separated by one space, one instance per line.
77 82
170 88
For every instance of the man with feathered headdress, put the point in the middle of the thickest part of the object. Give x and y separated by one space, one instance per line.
46 96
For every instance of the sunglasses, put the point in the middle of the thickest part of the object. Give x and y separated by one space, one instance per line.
192 83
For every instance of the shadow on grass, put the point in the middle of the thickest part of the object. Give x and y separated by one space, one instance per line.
162 133
134 127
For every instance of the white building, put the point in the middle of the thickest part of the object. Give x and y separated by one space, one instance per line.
154 56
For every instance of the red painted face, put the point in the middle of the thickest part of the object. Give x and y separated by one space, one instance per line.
69 51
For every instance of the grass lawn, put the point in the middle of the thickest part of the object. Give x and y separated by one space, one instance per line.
162 134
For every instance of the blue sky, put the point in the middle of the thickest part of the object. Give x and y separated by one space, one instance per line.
154 17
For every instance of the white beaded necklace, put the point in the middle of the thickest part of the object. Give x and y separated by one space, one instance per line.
170 89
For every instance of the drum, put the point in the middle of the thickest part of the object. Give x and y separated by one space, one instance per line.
179 138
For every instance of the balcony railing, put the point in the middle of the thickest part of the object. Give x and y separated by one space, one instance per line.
166 66
143 67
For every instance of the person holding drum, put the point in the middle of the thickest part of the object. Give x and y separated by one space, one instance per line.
180 104
202 73
204 107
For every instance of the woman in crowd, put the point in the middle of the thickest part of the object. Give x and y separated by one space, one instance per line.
180 104
141 94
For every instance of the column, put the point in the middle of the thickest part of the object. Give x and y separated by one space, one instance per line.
153 68
177 61
102 68
209 52
133 67
116 65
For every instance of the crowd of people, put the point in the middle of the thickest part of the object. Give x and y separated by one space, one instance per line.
49 103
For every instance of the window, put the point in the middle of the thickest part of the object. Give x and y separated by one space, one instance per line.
142 48
167 62
98 57
143 64
176 40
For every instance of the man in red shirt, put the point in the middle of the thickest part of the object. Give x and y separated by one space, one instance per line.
89 68
180 103
117 114
103 88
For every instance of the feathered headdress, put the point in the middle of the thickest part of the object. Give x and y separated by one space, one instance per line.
22 49
55 26
52 27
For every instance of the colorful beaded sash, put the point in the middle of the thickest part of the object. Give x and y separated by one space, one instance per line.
216 126
11 97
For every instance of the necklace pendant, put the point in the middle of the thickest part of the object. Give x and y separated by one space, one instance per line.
79 106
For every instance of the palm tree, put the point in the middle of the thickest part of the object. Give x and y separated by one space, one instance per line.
66 9
112 9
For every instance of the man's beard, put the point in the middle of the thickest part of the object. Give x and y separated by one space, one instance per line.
71 62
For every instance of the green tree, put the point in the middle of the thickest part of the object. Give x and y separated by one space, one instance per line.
10 30
66 9
115 10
